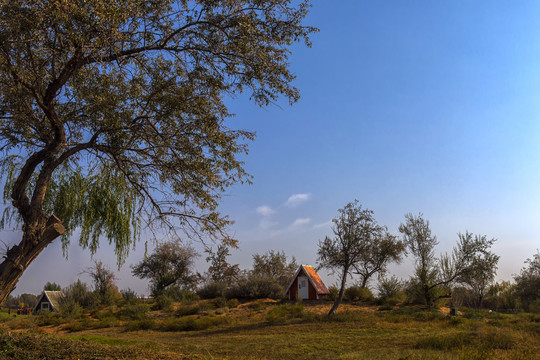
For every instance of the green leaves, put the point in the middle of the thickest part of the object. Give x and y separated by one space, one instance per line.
118 108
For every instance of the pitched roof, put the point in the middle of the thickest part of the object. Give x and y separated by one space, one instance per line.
54 297
313 277
315 280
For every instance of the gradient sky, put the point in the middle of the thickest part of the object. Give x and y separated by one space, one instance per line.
423 106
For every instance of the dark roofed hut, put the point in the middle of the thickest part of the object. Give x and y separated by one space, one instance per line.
306 285
49 300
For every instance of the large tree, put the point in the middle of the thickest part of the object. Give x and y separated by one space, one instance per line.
528 283
171 264
220 271
481 275
112 113
353 228
273 265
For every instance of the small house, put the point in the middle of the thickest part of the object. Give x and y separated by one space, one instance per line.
306 285
49 300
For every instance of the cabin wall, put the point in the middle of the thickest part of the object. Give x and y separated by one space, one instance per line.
312 291
293 291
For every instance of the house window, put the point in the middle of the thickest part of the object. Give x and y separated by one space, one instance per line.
45 306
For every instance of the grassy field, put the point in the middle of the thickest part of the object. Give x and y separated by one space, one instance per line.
268 330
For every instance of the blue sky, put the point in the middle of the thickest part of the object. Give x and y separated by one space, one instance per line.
424 106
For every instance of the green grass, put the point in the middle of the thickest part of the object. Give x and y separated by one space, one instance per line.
294 331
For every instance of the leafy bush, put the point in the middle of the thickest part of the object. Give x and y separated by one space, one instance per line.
232 303
79 325
142 324
164 303
334 293
357 293
220 302
46 317
179 294
222 310
390 289
186 310
502 297
212 290
135 312
255 287
26 322
71 310
78 292
129 296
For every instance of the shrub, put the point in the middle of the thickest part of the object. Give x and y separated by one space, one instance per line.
334 293
142 324
164 303
220 302
78 292
129 296
255 287
185 310
46 317
179 294
135 312
357 293
257 305
391 291
79 325
222 310
212 290
502 297
232 303
71 310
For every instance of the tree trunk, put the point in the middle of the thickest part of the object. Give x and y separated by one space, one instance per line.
364 281
18 258
341 292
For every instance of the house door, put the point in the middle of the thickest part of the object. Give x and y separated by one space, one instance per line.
303 291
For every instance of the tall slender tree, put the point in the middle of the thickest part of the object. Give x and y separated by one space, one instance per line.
112 113
352 228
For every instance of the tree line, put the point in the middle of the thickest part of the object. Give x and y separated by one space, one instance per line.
360 250
362 247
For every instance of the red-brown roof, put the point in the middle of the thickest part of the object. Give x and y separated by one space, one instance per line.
315 280
313 277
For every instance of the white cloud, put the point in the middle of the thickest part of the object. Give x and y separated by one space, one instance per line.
301 222
327 224
265 210
297 199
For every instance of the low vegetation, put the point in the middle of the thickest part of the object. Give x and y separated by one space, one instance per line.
270 329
